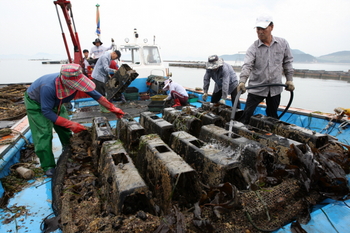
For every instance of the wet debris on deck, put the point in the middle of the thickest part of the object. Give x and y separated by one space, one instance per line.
155 178
16 181
11 102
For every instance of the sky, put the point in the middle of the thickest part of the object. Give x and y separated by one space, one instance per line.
185 29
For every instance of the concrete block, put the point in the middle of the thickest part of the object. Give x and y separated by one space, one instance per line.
167 175
129 132
125 190
182 121
279 144
216 165
101 132
294 132
156 125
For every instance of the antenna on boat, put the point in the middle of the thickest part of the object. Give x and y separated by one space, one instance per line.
136 35
154 40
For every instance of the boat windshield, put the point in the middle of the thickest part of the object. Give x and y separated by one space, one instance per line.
131 54
151 55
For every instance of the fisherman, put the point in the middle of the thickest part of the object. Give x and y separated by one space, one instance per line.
44 101
86 62
98 50
265 62
176 92
101 72
225 80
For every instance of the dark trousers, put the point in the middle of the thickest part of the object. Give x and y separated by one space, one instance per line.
253 101
215 97
100 87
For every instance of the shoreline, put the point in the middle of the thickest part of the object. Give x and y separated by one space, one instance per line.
303 73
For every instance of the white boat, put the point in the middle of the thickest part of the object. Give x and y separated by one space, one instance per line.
146 59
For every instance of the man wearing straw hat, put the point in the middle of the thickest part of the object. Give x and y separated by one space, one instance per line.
225 80
44 101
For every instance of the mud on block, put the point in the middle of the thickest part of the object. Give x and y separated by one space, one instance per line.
182 121
206 117
167 175
101 132
156 125
224 111
280 144
294 132
216 165
125 190
246 151
129 132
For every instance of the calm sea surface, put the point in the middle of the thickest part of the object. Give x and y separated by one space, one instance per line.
310 93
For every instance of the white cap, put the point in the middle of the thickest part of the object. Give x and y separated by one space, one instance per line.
166 84
263 21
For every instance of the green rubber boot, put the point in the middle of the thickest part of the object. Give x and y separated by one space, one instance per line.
103 109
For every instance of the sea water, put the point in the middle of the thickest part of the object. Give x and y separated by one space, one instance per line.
310 93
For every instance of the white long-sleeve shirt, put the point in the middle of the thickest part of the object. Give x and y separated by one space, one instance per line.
178 88
97 52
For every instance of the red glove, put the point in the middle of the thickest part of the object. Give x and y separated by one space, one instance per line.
74 126
104 102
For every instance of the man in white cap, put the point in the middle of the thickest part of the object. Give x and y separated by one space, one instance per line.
225 80
176 92
266 60
44 101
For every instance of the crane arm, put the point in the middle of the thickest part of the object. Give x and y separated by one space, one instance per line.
66 7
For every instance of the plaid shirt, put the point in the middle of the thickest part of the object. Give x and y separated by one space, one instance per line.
266 64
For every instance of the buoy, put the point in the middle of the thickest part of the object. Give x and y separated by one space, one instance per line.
25 172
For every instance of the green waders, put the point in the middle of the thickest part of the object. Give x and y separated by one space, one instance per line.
42 135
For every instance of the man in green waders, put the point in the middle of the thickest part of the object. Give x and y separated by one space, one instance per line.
45 110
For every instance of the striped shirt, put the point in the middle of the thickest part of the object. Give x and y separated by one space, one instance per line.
266 64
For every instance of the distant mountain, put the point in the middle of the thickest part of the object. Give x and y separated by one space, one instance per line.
301 57
338 57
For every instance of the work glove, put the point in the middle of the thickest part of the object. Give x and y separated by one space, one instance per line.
74 126
205 96
241 87
166 99
222 101
117 111
290 86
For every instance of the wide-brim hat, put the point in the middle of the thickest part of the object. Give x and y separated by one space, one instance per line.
214 62
72 79
166 84
263 21
97 40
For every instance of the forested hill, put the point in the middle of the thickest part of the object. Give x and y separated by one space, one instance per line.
301 57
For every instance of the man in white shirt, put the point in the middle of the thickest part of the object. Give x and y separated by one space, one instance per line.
97 50
266 60
176 92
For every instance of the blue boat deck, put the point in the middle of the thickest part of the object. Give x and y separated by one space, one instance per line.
32 205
